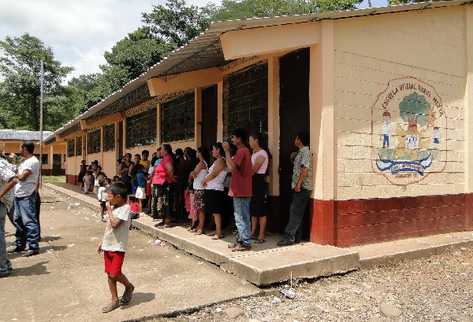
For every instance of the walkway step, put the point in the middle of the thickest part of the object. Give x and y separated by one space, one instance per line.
265 264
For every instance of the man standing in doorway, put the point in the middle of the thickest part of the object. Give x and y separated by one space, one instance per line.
240 188
301 185
7 182
25 202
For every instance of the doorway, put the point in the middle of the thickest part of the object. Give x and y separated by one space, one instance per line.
57 165
294 118
209 116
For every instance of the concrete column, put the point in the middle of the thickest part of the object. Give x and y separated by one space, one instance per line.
322 114
323 136
220 111
273 122
468 109
158 124
468 119
124 135
198 116
101 146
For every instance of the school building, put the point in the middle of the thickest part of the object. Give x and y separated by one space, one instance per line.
54 155
386 93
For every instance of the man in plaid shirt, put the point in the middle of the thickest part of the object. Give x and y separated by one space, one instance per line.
7 182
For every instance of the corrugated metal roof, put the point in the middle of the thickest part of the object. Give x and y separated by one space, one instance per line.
205 51
22 135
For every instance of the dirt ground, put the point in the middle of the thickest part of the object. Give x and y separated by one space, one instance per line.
438 288
65 282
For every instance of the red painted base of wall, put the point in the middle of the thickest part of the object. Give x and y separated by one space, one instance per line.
71 179
46 172
355 222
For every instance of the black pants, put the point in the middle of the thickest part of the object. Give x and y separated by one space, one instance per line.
299 203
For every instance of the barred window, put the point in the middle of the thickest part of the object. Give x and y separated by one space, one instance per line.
245 103
141 129
178 118
93 141
109 137
79 145
70 148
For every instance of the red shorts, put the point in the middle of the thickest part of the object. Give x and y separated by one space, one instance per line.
113 262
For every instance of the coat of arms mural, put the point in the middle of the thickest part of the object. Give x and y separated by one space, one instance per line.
408 131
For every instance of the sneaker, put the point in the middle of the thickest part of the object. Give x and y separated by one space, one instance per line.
285 242
14 249
32 252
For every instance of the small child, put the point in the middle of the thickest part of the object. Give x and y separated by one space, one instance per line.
140 193
114 243
102 198
134 207
88 182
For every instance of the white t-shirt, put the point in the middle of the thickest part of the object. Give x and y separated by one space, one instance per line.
102 194
28 186
264 167
116 239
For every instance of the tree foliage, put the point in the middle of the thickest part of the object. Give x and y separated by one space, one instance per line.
20 69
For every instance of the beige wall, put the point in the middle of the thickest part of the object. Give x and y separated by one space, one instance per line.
370 52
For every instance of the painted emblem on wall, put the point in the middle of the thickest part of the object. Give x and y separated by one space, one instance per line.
408 131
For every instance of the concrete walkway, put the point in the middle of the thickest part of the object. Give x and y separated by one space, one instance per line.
267 264
66 282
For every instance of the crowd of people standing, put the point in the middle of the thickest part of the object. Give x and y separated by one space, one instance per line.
208 189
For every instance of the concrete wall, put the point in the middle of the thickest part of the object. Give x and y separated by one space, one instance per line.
424 48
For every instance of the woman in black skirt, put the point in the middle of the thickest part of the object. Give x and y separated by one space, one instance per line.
260 162
214 188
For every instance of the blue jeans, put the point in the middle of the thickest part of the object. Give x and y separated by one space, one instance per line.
385 141
5 264
242 220
26 222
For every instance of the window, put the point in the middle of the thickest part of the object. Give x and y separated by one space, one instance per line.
178 118
70 148
79 145
141 129
93 141
245 103
109 137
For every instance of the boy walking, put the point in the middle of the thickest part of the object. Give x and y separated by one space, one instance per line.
114 243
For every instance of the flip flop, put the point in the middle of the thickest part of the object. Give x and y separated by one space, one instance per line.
111 307
127 296
217 237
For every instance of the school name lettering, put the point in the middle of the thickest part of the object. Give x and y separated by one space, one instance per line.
410 87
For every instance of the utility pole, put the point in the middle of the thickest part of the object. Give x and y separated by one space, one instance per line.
41 82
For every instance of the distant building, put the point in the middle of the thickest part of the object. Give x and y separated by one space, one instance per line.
54 154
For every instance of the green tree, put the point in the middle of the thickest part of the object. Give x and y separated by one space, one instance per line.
176 23
415 108
20 72
231 9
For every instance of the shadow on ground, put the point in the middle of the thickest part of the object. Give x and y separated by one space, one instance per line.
36 269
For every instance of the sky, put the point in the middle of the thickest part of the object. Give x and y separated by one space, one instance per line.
80 31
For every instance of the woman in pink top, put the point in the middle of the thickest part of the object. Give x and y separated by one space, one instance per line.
163 177
260 163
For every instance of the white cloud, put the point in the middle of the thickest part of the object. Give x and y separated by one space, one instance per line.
79 32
